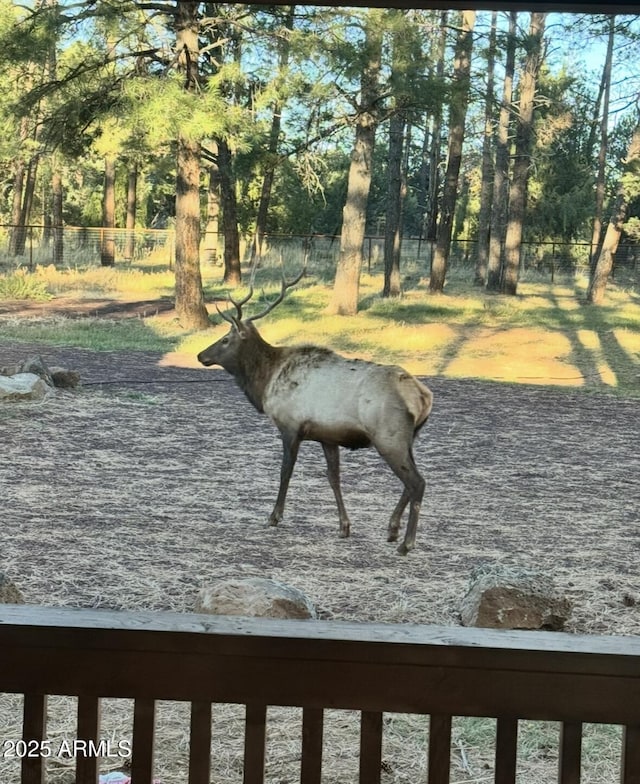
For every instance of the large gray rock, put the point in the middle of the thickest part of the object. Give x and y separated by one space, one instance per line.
256 597
38 367
506 598
23 386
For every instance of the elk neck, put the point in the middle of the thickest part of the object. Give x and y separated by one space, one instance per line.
256 364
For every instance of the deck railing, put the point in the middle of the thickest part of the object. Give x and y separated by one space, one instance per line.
371 668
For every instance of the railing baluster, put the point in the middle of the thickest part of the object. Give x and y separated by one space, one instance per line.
254 744
506 751
439 749
200 743
312 730
144 712
88 730
370 747
630 773
570 760
34 727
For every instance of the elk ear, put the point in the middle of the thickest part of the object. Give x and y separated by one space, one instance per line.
242 330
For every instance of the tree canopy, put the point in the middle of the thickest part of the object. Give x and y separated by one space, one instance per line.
267 105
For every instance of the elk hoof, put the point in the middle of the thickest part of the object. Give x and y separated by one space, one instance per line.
344 533
274 520
403 549
392 536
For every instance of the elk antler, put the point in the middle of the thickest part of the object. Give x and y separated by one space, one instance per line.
280 296
235 320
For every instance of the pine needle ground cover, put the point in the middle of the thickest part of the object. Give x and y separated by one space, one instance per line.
155 479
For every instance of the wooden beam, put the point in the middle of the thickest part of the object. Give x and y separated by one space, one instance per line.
506 750
570 759
416 669
144 712
254 743
370 747
34 730
200 743
439 762
631 755
88 730
312 732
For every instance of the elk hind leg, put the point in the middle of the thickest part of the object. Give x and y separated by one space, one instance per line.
290 445
332 456
393 530
404 467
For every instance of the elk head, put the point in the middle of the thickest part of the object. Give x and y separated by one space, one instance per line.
229 351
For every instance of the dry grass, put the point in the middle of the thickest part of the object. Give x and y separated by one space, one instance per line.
136 495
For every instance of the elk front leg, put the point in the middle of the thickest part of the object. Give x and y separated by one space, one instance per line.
290 445
332 456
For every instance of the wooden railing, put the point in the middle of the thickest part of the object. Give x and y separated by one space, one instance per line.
374 669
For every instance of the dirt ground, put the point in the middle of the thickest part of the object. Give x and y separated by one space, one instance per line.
151 481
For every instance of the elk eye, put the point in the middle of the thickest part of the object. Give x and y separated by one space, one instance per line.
225 341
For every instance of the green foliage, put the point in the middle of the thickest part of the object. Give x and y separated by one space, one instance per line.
561 199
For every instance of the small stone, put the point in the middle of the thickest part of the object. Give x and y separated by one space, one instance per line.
65 379
255 597
9 593
505 598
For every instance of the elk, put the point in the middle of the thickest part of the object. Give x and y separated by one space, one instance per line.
312 393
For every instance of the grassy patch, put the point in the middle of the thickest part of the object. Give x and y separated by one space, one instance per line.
91 333
545 335
106 281
22 285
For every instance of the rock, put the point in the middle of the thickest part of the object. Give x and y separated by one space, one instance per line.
22 386
505 598
38 367
9 594
256 597
65 379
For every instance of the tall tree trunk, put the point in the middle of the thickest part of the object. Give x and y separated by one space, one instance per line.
457 118
523 149
56 217
604 263
346 287
107 240
232 274
189 298
488 174
274 140
395 195
132 205
430 217
499 209
604 144
28 193
213 216
17 229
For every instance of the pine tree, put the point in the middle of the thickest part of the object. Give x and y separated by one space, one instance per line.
457 117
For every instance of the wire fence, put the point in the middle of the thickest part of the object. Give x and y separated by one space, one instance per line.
82 247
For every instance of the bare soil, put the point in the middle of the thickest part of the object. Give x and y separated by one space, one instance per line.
151 481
